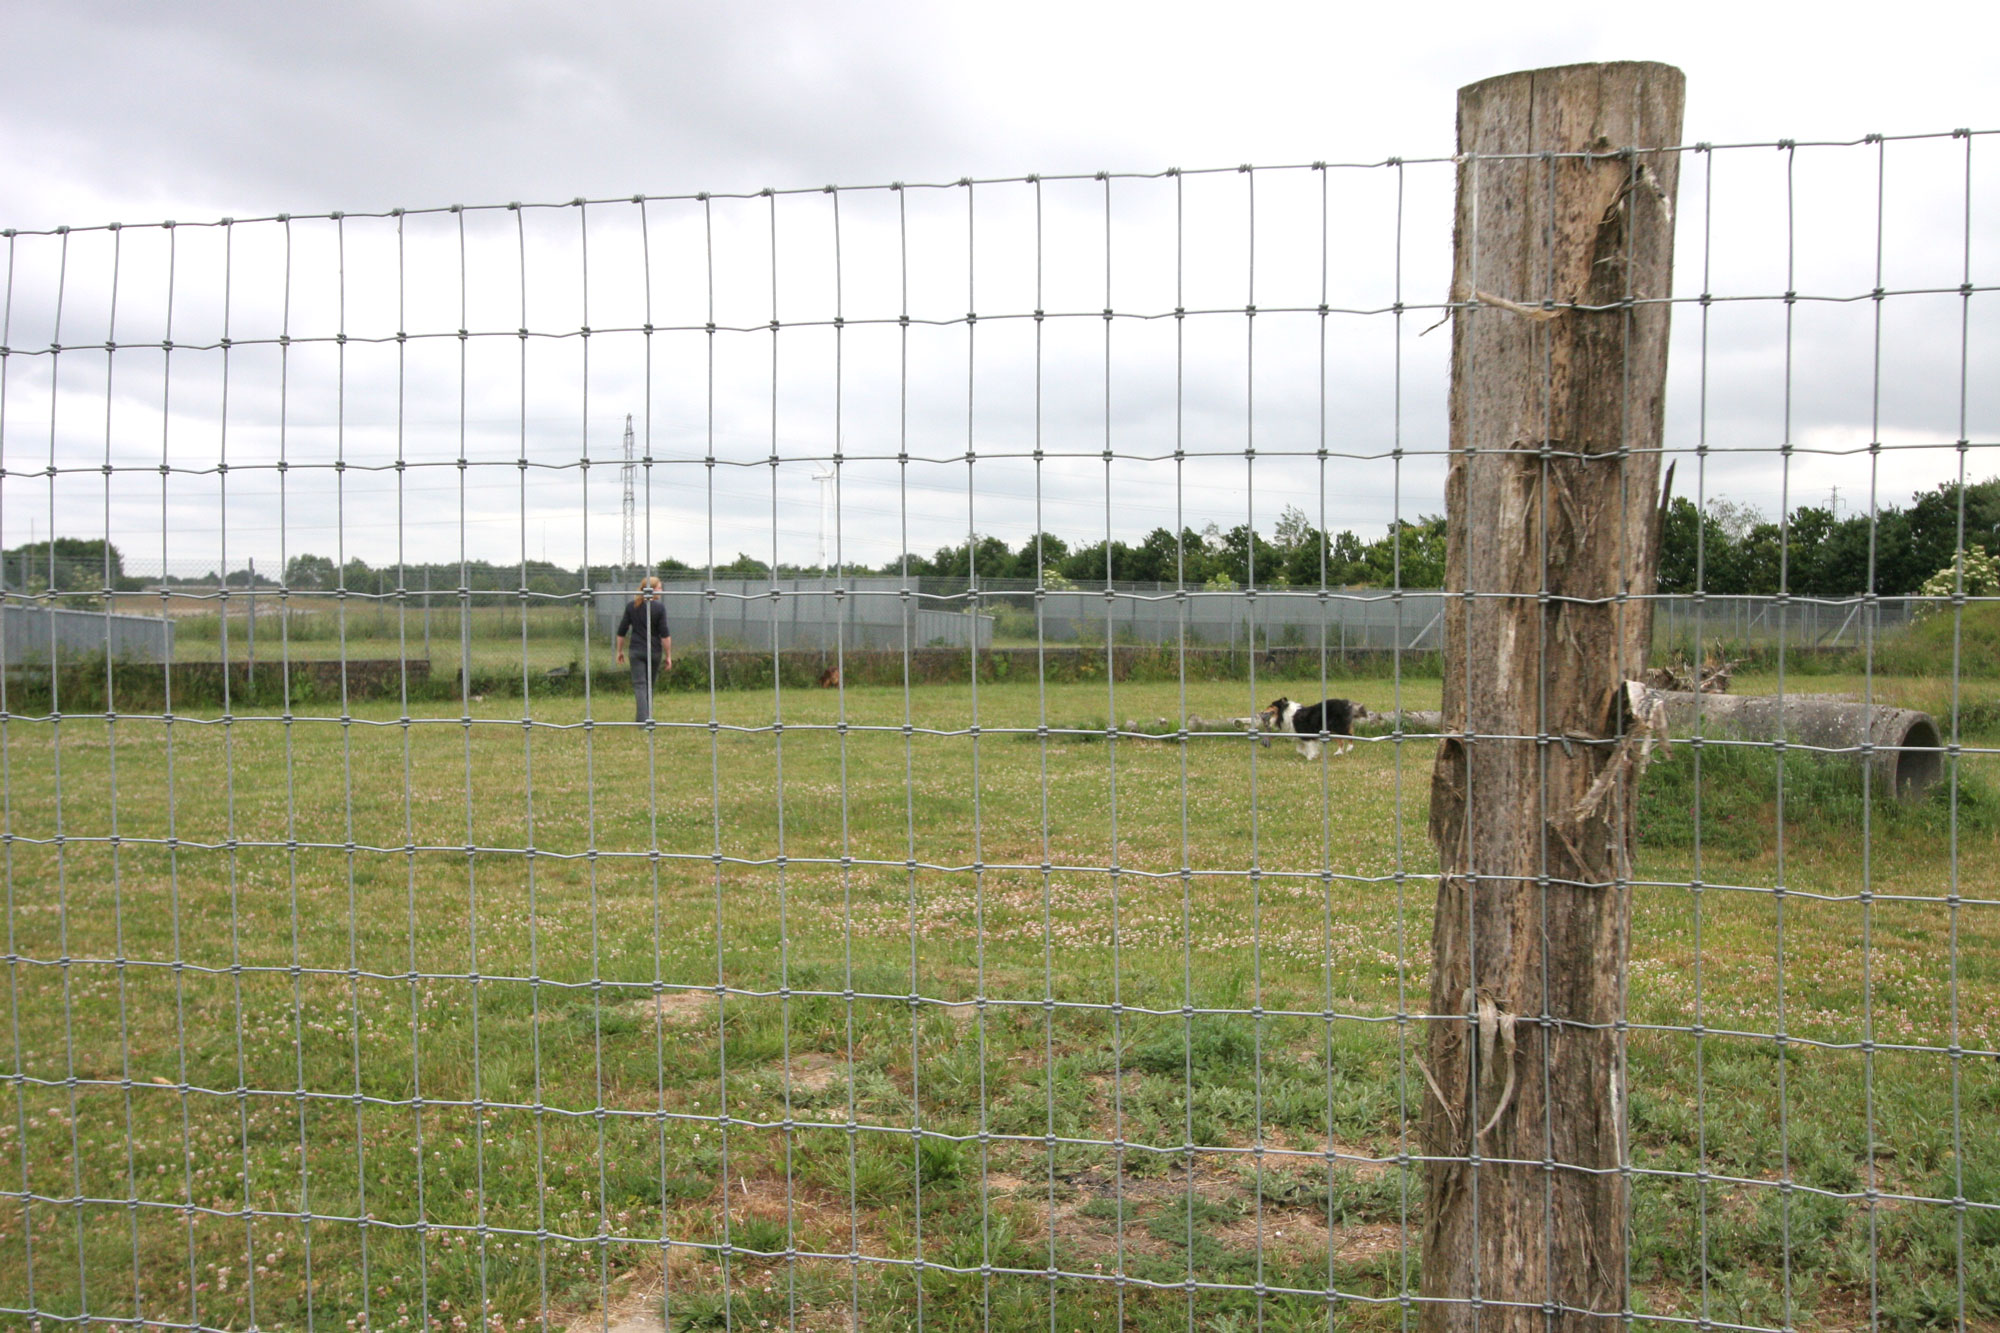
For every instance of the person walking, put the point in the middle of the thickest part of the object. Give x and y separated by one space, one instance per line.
644 628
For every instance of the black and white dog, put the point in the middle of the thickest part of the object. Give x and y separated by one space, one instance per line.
1330 717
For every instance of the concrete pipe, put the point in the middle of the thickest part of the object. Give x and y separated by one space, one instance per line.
1907 751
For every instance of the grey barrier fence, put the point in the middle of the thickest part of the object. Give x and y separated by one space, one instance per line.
1799 621
1137 611
807 613
870 610
39 635
875 612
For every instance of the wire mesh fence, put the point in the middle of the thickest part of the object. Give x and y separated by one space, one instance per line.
369 967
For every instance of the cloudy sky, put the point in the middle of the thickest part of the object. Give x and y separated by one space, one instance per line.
143 113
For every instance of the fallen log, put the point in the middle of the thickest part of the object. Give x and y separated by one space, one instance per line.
1414 721
1902 745
1163 729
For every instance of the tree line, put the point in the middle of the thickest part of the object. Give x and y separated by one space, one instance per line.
1296 554
1727 547
1723 547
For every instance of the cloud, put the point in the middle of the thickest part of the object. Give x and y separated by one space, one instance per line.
199 112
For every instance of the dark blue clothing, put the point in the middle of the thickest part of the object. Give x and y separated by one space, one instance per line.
639 618
642 689
643 626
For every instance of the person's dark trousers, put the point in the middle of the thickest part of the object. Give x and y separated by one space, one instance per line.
642 685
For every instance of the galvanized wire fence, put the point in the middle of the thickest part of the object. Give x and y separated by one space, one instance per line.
910 979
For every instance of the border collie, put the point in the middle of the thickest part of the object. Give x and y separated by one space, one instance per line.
1311 722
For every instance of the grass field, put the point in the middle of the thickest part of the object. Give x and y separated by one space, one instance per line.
501 639
413 1029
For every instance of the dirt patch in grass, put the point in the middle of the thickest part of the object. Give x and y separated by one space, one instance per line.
1088 1231
638 1313
1083 1238
1286 1231
1129 1077
1836 1309
680 1008
1302 1233
1844 1310
1362 1243
815 1071
769 1197
820 1219
637 1310
1091 1236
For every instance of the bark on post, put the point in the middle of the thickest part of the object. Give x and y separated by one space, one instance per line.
1558 371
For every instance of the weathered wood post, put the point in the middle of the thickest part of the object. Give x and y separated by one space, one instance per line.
1563 250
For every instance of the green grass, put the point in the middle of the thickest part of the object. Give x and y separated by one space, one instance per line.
1967 637
266 953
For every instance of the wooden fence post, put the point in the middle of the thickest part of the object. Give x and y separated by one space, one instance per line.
1563 251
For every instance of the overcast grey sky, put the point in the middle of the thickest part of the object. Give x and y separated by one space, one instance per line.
141 113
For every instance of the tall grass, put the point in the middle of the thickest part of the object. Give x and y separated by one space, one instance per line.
1730 797
1943 641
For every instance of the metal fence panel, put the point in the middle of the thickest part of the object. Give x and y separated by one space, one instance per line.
1042 994
38 635
806 614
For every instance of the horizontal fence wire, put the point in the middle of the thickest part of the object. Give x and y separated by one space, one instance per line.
405 928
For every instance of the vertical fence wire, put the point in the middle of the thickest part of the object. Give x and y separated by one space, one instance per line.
1955 1051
